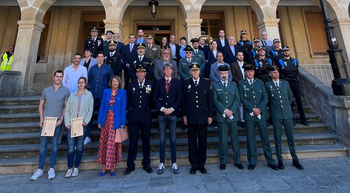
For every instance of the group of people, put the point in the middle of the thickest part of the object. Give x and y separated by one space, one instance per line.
178 80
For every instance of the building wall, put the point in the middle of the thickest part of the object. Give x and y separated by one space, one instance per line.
66 22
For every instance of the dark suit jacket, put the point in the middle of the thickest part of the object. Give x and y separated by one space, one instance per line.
197 110
172 99
127 56
139 108
205 49
178 57
119 47
147 62
229 57
220 47
115 62
96 46
236 72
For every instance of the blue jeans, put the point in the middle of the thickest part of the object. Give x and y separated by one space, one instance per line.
171 122
54 149
72 142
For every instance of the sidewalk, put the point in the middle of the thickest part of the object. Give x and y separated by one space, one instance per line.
319 175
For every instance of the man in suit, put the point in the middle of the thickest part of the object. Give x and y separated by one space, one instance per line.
167 98
261 62
175 49
197 112
141 39
231 50
119 45
276 53
289 70
158 66
255 51
198 54
141 58
114 59
129 54
94 43
203 47
226 102
254 98
266 43
139 94
109 37
184 64
280 96
222 41
152 51
237 71
214 73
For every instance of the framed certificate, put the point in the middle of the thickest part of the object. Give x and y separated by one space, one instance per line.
49 126
77 129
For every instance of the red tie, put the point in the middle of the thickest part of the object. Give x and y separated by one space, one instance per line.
167 86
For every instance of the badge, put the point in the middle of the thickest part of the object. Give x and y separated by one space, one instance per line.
98 42
285 63
260 63
133 89
148 89
276 53
154 49
89 42
189 86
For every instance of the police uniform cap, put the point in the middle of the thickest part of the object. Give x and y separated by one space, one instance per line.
188 49
110 31
285 48
223 68
149 37
140 67
141 45
261 48
243 32
272 68
276 40
94 29
193 40
247 66
256 40
111 43
194 66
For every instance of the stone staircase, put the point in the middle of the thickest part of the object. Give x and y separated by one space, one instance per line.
19 140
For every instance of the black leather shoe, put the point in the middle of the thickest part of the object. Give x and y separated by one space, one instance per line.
280 165
203 170
297 165
222 166
274 167
193 170
251 167
239 166
148 170
128 171
243 124
304 122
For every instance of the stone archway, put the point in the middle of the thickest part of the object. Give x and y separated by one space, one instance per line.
114 13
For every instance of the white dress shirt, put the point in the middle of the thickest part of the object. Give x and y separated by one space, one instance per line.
71 77
241 68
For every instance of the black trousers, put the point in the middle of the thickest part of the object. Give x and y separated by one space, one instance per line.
134 130
197 154
126 77
294 86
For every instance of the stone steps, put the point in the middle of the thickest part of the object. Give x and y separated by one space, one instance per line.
31 150
12 109
29 165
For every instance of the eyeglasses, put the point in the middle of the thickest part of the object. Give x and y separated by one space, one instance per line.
166 53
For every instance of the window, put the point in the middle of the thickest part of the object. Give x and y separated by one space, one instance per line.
91 20
211 25
317 35
44 35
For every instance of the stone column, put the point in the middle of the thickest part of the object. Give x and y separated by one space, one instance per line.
341 28
26 51
193 28
341 105
116 25
270 26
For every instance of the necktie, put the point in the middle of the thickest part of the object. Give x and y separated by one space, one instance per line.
149 45
140 84
167 87
196 83
276 85
224 84
111 54
131 48
251 82
264 43
140 58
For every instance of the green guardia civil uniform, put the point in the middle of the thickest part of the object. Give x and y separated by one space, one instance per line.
255 96
280 100
227 97
183 67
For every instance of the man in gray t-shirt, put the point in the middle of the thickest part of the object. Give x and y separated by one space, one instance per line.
52 104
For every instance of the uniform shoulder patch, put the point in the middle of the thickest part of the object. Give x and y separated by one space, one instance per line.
206 78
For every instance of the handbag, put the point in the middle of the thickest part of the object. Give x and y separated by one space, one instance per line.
121 134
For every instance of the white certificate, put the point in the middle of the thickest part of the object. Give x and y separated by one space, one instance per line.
49 127
77 128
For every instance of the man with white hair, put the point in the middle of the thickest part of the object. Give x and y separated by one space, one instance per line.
266 43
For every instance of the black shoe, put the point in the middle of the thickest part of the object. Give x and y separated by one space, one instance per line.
280 165
203 170
222 166
193 170
128 171
239 166
297 165
243 124
304 122
274 167
148 169
183 127
251 167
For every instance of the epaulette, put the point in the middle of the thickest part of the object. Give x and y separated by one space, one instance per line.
206 78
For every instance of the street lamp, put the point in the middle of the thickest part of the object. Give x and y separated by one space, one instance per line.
153 4
341 83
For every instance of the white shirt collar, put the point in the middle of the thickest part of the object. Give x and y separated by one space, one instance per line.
167 78
196 80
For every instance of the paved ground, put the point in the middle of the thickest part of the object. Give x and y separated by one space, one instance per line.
319 175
